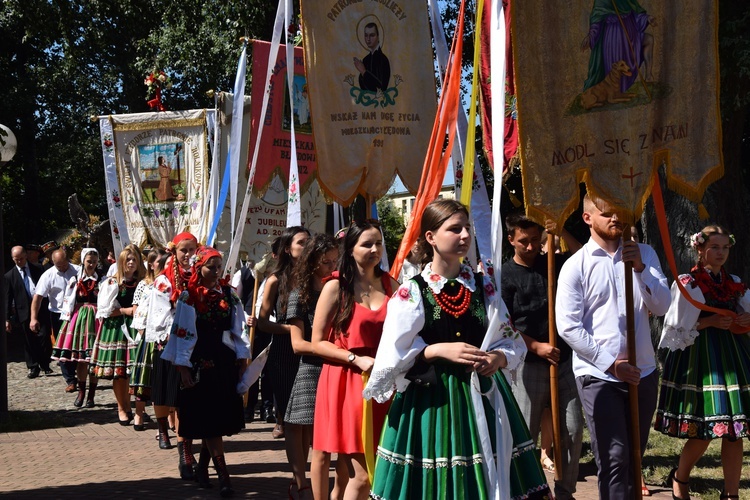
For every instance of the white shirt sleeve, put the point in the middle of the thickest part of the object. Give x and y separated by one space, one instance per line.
652 283
569 314
160 312
680 322
106 303
400 344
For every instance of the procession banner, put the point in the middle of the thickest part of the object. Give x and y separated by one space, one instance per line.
160 166
372 93
275 147
267 211
607 93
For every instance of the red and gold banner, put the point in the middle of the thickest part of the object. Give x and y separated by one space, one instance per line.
275 144
372 93
608 92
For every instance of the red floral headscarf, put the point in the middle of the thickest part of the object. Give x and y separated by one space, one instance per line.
200 296
172 270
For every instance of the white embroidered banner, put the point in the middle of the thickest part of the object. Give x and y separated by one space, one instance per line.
156 165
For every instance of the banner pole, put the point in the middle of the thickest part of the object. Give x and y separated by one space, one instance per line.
553 388
635 431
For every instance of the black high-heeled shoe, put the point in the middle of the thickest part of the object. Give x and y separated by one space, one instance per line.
671 479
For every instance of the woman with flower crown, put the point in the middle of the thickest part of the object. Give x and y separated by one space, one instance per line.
454 429
78 332
705 387
211 351
111 354
168 286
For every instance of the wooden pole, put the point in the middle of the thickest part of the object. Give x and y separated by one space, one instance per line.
635 431
553 389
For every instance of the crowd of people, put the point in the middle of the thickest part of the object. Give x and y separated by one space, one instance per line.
424 388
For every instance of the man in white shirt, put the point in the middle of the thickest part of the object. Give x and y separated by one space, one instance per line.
591 318
51 286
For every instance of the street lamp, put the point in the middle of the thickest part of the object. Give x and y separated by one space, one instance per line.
8 147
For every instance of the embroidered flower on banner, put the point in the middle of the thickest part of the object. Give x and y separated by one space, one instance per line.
293 191
107 142
116 200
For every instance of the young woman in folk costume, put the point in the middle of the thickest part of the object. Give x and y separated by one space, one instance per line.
142 363
316 263
210 356
282 363
111 354
346 332
78 332
705 387
453 409
165 380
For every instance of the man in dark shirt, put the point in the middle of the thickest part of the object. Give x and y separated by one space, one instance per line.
524 289
374 69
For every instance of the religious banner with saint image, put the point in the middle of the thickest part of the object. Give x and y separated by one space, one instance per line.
275 143
372 93
609 90
156 168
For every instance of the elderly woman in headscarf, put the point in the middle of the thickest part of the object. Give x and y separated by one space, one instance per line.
78 332
210 349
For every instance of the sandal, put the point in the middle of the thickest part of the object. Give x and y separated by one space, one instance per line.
548 465
671 479
645 492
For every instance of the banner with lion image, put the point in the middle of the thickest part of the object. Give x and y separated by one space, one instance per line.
156 172
372 93
607 91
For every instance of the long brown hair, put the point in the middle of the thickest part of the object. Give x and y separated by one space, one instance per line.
348 272
434 215
304 271
285 267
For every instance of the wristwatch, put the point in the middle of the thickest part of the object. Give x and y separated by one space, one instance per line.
351 357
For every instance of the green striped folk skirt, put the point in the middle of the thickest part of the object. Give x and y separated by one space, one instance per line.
705 389
112 350
430 447
141 369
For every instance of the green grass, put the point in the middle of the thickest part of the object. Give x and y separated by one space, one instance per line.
662 453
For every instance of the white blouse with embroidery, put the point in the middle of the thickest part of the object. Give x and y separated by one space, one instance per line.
680 321
401 343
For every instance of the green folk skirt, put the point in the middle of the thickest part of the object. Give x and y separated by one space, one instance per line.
705 389
430 446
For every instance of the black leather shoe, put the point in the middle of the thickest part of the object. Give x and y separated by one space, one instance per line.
33 372
270 418
139 427
47 371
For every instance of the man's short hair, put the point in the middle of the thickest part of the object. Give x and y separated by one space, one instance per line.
375 26
519 221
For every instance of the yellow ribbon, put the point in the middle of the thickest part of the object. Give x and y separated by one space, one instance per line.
467 183
367 432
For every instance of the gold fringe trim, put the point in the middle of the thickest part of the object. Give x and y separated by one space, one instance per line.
151 125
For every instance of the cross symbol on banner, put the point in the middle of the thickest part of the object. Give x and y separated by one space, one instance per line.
631 176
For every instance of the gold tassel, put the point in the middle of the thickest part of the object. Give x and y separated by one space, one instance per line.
702 212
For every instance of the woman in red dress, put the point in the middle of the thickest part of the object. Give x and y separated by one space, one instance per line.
346 332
